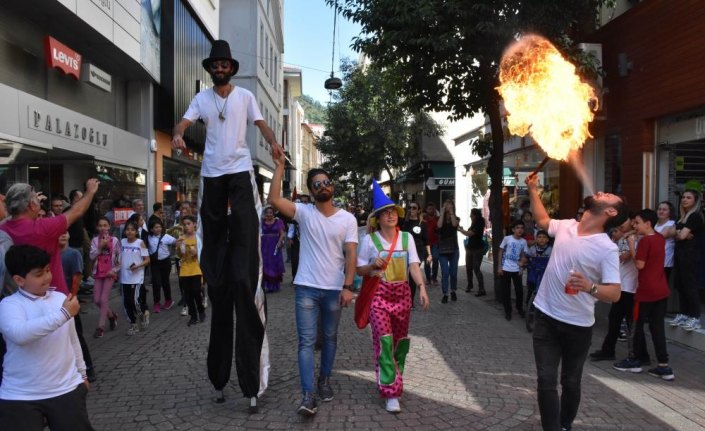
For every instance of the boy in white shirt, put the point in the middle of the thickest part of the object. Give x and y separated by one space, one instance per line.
511 252
37 325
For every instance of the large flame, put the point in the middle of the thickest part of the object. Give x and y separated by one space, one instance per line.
544 96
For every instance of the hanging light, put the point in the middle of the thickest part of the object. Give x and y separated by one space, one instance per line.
333 83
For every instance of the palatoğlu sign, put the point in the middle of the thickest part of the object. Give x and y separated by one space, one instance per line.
67 128
62 57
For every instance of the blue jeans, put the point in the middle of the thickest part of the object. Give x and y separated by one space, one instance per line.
309 302
449 271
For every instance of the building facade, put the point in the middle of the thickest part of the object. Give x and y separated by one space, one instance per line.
76 85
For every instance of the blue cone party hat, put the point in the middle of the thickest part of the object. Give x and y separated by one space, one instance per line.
381 201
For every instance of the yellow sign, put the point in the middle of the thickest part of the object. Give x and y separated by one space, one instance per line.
680 163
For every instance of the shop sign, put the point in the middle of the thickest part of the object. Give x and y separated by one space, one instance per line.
62 57
97 77
67 128
432 183
121 215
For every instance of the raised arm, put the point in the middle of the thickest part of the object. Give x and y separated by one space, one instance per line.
286 207
540 214
81 206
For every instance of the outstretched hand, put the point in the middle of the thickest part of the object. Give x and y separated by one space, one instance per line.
277 154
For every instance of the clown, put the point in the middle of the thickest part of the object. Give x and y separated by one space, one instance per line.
390 308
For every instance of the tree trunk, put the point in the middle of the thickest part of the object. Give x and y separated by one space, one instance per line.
495 169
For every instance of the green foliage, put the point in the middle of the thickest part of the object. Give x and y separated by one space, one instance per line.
368 129
314 111
445 54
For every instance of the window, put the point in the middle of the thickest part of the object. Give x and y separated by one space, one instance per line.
266 69
271 62
261 45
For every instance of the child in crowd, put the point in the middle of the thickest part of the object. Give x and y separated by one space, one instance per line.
511 252
160 262
134 257
652 294
190 271
44 376
537 259
105 254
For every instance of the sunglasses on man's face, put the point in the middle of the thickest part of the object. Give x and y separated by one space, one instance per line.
413 207
317 185
220 65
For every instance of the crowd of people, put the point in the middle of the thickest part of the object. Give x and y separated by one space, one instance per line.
235 247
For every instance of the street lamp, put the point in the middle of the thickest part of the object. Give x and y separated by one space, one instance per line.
333 83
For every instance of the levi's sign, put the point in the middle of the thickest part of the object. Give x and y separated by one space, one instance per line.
62 57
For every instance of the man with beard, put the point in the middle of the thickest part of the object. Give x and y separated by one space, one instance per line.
583 268
324 280
230 249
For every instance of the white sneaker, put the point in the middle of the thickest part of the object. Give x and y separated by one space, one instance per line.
679 320
184 311
393 405
691 324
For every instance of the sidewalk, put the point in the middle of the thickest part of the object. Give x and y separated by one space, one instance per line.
468 369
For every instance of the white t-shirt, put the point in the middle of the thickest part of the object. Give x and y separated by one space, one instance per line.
321 259
627 270
132 252
670 243
595 256
398 267
226 150
43 358
512 252
163 252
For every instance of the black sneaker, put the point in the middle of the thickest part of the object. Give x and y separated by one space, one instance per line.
445 299
630 365
325 392
481 293
308 405
192 322
665 373
453 296
600 355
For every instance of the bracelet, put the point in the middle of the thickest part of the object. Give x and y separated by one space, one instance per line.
348 287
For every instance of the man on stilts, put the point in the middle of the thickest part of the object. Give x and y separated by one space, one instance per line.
229 219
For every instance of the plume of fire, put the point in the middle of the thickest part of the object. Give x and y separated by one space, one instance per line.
544 96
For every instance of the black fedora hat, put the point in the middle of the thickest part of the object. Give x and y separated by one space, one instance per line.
220 51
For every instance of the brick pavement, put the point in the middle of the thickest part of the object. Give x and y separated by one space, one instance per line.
468 369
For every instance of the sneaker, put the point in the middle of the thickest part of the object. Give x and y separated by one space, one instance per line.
468 289
482 292
202 317
445 299
622 336
453 296
631 365
691 324
157 308
184 311
601 355
98 333
113 321
168 304
145 319
253 405
308 405
325 392
192 322
133 329
393 405
679 320
666 373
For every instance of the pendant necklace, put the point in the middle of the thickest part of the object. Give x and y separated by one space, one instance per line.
220 111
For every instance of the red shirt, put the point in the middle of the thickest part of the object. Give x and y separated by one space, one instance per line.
43 233
431 226
653 285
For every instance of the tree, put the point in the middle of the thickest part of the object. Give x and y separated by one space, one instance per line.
368 130
446 54
314 110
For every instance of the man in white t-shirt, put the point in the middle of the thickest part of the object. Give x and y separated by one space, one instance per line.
583 268
324 280
230 222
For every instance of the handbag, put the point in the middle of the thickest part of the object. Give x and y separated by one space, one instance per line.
368 290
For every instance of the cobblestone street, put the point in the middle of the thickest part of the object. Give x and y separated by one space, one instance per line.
468 369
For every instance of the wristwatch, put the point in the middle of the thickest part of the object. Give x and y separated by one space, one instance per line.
593 289
348 287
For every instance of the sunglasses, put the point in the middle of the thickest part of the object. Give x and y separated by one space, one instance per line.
317 185
224 64
413 207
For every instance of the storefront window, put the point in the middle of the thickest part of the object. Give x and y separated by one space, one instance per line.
180 182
